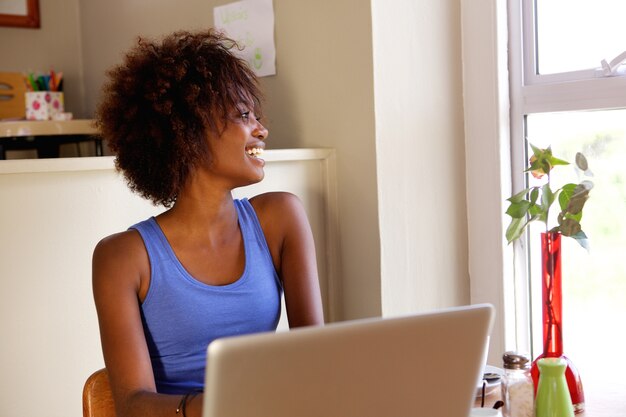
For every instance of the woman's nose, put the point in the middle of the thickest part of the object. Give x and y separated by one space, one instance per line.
260 132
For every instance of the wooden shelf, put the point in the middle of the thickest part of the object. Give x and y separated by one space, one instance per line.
24 128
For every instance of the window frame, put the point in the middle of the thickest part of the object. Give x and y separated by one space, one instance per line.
487 163
536 93
526 14
567 91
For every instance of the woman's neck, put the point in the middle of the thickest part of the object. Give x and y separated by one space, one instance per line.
200 209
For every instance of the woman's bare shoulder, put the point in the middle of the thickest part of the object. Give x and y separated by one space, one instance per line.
121 256
281 214
276 204
127 242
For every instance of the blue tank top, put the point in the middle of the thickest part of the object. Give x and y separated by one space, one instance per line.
182 315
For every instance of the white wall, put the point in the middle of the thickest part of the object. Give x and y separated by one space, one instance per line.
50 225
59 209
420 155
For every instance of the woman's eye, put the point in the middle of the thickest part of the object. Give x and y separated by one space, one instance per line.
245 115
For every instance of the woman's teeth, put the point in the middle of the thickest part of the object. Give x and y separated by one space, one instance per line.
255 152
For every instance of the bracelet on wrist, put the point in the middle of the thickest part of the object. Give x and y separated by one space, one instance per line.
183 401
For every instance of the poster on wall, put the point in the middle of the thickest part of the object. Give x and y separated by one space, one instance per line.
251 24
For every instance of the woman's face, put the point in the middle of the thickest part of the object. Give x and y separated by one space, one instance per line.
236 152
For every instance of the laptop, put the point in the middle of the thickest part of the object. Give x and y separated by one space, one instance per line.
422 365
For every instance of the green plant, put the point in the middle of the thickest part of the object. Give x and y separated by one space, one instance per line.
534 203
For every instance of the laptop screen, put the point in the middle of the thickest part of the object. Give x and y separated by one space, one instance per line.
419 365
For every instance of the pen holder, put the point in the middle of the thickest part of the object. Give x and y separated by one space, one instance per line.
43 105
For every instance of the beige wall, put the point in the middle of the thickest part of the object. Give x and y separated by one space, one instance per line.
111 27
378 82
323 95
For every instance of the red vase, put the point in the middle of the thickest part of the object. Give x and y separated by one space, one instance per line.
552 318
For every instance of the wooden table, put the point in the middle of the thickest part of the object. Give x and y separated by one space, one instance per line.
46 135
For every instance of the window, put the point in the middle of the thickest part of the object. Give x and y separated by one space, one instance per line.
562 95
576 35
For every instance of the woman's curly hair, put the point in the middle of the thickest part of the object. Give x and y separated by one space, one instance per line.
161 103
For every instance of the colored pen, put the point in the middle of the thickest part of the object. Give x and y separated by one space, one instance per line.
53 84
31 81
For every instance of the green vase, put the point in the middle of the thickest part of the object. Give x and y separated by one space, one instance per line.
553 398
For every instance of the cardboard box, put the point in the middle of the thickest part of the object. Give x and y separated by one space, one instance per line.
12 95
43 105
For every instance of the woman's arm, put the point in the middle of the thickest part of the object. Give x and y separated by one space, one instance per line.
290 239
121 272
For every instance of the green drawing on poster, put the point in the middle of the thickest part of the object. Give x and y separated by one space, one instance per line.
257 60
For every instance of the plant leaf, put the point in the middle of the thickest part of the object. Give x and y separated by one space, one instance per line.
542 215
578 216
537 151
581 162
577 203
516 198
518 210
566 194
554 161
534 194
547 197
588 185
515 229
569 227
582 240
534 211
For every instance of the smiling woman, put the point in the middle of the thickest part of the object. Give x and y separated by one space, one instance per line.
19 13
182 116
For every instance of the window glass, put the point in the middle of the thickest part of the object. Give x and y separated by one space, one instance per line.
577 34
594 282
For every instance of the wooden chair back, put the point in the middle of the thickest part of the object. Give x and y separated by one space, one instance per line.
97 396
12 95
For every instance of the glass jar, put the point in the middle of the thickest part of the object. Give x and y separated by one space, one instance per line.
517 386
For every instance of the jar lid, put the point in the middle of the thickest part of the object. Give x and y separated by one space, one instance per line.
515 360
